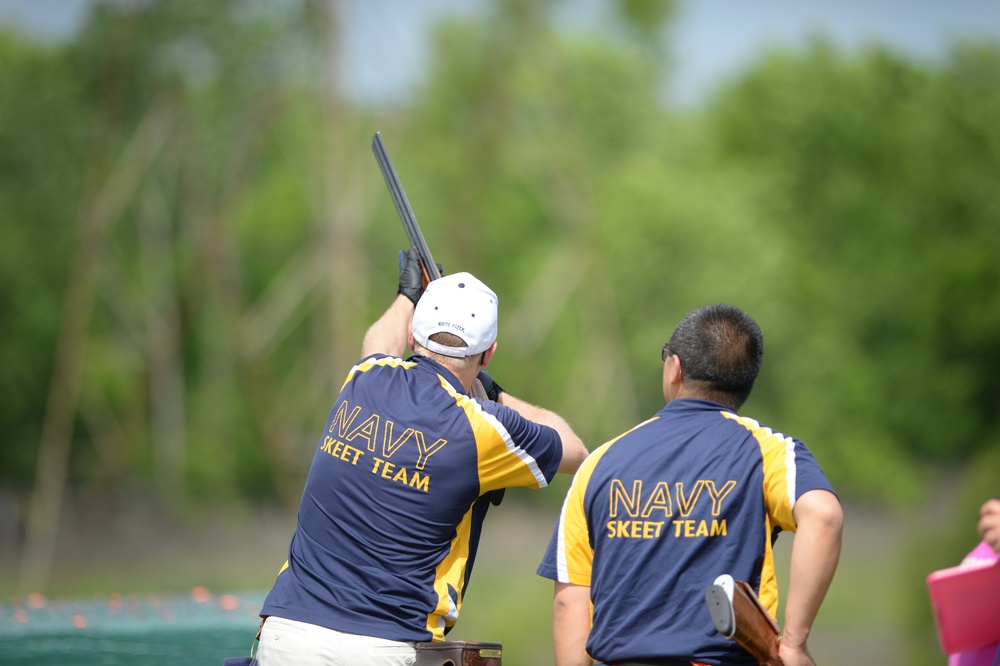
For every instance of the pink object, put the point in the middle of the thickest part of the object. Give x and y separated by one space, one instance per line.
966 604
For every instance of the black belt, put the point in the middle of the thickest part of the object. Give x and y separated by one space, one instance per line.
658 662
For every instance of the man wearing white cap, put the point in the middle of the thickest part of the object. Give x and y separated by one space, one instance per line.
395 499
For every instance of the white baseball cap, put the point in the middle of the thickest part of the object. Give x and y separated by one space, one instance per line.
459 304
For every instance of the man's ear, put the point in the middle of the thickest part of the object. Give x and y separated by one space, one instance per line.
676 372
410 339
488 354
672 375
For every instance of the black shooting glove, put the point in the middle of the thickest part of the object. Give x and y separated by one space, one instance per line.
411 282
489 385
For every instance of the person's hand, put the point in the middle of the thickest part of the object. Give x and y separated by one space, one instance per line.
490 386
794 656
989 523
411 279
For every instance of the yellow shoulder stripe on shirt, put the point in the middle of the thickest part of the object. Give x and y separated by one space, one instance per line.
368 364
490 435
778 452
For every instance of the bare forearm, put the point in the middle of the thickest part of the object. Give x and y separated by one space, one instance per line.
571 625
815 553
574 451
390 333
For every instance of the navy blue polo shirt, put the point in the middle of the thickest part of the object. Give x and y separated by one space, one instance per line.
654 516
393 505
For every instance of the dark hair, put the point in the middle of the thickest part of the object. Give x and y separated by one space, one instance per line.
721 349
448 339
451 340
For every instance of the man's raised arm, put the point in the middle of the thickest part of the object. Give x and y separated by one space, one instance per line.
574 451
389 334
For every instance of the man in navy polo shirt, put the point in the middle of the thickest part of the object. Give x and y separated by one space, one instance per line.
395 499
655 516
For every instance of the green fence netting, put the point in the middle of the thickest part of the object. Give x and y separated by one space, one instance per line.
192 629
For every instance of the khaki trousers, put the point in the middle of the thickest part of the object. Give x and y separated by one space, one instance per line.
290 643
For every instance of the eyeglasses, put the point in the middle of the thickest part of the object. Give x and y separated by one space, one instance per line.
666 353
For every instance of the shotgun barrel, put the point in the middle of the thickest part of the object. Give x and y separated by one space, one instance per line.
428 266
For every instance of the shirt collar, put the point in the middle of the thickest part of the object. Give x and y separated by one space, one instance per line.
433 366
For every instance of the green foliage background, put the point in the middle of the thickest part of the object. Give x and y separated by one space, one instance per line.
195 236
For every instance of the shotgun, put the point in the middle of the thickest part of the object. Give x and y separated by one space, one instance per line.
429 269
738 614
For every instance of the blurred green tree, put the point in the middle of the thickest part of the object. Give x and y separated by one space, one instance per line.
193 223
181 196
878 174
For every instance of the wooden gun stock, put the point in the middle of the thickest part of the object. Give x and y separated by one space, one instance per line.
738 614
459 653
428 267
